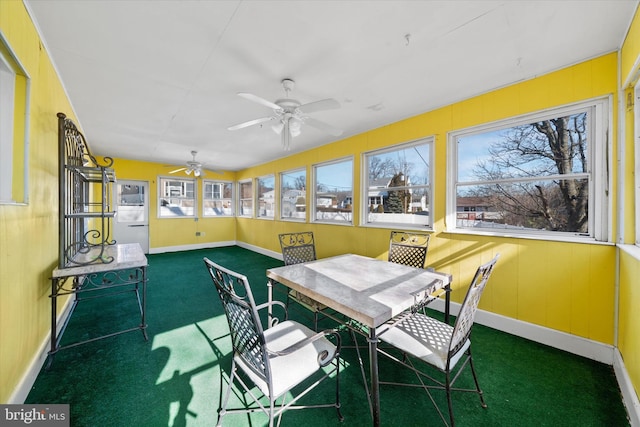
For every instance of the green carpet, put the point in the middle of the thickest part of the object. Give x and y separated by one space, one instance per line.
174 379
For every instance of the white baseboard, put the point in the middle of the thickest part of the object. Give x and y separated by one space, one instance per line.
561 340
629 396
573 344
23 388
266 252
180 248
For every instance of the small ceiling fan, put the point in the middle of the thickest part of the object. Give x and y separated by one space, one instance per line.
289 114
191 166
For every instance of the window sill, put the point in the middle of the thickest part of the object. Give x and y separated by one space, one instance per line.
632 250
399 226
525 236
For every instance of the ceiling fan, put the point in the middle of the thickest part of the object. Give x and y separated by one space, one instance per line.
289 114
191 166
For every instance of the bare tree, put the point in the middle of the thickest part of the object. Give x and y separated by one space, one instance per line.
300 182
379 168
545 148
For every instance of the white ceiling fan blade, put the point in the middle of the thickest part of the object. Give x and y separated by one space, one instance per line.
324 104
323 126
255 98
250 123
178 170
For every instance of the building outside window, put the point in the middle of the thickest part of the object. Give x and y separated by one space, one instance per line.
397 185
293 195
266 196
245 198
177 197
333 192
217 198
542 174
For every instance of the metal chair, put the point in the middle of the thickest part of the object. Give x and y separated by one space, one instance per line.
447 348
298 248
408 248
276 360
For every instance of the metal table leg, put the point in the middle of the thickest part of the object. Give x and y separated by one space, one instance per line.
375 381
269 301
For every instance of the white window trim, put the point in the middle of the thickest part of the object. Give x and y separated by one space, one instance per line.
233 202
160 196
312 202
306 178
239 209
600 185
12 69
256 204
364 190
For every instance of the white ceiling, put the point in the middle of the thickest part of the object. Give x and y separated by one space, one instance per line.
153 80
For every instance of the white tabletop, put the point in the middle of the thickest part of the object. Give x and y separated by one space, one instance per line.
127 255
368 290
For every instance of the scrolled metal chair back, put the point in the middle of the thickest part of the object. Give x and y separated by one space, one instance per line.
408 248
465 319
244 323
297 247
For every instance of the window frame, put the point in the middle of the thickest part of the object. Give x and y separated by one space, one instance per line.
240 212
598 152
205 199
260 197
314 192
365 221
14 142
161 196
283 192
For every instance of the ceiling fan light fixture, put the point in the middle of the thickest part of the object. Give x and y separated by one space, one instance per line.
289 114
196 172
294 127
277 128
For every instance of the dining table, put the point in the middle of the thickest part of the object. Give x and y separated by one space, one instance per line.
366 290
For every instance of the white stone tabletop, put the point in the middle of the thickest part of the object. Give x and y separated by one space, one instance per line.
365 289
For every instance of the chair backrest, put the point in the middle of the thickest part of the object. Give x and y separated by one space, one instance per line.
465 319
408 248
247 335
297 247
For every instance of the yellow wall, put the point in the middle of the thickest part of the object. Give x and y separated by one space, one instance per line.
629 266
629 59
629 329
167 232
564 286
29 234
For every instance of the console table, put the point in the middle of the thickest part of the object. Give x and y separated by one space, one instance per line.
126 271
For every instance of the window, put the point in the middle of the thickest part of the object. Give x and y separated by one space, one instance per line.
540 174
397 185
217 198
14 122
177 197
245 204
333 191
266 196
293 195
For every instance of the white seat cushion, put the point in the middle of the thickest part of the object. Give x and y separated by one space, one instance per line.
423 337
290 370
